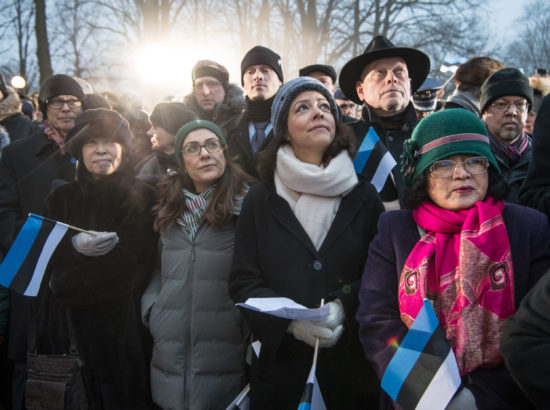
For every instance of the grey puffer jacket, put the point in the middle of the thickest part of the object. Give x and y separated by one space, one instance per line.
199 351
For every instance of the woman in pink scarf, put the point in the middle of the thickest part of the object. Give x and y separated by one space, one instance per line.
462 248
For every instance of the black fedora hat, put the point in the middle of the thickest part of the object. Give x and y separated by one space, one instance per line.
418 65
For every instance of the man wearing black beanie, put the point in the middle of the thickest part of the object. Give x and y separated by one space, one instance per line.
505 101
29 168
247 132
166 120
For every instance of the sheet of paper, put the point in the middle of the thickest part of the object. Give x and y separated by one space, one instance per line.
285 308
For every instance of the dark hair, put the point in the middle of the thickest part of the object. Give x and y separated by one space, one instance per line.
171 204
417 192
267 158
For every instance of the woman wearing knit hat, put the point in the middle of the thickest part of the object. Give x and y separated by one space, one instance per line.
199 342
459 246
303 234
99 278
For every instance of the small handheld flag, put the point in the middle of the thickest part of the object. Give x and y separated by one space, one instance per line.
423 373
311 397
373 160
23 267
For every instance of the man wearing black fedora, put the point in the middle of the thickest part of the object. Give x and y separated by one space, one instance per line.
382 79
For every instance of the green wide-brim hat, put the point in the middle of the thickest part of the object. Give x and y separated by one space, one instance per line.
441 135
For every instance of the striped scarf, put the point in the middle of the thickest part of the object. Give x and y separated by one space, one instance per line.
511 153
196 206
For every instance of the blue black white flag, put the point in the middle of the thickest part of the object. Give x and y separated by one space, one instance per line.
373 160
23 267
423 373
312 398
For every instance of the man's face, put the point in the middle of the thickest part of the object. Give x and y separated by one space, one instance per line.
260 82
62 111
209 91
385 86
161 140
324 78
505 118
347 107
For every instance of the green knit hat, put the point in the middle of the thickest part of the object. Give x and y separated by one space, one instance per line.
441 135
184 131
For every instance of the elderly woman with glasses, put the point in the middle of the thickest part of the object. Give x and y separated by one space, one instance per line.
460 246
198 354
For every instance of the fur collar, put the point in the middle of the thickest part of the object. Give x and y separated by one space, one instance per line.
10 105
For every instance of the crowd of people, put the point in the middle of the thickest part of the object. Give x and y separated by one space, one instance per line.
369 198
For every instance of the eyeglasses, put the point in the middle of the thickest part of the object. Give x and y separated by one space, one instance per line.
504 106
57 103
208 83
193 149
446 167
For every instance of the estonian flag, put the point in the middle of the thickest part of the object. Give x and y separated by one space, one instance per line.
423 373
373 160
23 267
312 398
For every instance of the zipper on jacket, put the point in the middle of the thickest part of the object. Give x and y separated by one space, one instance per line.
188 347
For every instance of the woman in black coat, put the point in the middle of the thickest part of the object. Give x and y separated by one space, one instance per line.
304 233
100 279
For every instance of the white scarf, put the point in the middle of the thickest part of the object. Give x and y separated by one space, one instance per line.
314 192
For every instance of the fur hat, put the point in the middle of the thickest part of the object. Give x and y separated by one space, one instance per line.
476 70
262 55
171 116
508 81
209 68
418 65
286 95
441 135
99 122
323 68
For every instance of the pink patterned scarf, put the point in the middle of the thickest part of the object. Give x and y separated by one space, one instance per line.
463 265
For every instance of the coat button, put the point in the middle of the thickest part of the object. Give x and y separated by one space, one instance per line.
390 138
317 265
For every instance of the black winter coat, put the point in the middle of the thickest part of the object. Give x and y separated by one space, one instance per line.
28 168
536 187
238 143
102 292
275 257
525 343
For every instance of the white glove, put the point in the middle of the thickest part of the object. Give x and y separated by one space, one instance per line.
335 317
98 245
308 331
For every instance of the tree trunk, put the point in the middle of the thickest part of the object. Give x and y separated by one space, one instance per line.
42 43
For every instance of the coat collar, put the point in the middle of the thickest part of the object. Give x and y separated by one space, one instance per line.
350 205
